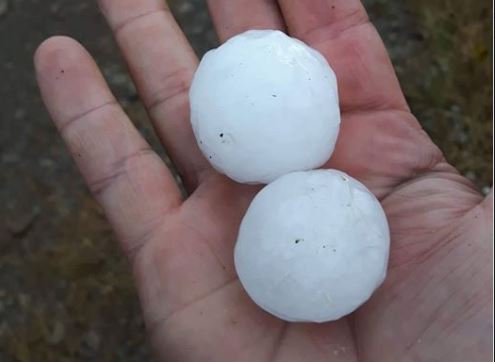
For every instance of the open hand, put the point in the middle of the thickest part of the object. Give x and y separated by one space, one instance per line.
435 304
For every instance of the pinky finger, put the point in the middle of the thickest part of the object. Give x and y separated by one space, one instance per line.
129 180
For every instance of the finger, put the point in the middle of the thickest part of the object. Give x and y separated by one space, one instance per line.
234 17
128 179
402 148
162 64
340 30
304 17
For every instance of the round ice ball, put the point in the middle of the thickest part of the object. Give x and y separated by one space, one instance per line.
264 104
313 246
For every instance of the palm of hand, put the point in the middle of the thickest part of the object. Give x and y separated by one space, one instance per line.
195 308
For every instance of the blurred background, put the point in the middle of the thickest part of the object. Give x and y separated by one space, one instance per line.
65 288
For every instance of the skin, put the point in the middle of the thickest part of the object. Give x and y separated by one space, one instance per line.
435 304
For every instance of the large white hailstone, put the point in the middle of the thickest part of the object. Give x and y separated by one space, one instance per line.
313 246
264 104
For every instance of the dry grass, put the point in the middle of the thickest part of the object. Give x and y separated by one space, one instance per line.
449 82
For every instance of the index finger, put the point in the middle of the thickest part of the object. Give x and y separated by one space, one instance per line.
128 179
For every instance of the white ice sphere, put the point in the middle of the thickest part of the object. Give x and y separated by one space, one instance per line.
264 104
313 246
